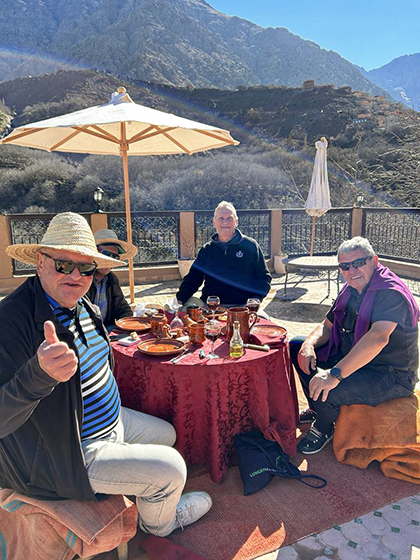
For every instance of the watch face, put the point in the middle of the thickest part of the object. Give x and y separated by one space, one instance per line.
335 372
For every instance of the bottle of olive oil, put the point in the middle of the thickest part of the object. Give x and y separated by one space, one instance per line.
236 345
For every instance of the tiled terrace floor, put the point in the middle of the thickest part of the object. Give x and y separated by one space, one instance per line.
391 533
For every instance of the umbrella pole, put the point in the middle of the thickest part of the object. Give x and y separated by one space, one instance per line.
127 208
312 236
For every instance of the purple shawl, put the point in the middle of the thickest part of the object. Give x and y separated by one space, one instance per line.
382 279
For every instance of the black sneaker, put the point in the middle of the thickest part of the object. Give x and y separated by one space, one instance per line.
313 441
307 416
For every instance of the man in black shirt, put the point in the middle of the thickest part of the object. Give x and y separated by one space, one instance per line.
366 349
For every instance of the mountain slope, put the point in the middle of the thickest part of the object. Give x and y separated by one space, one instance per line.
274 112
178 42
401 78
373 146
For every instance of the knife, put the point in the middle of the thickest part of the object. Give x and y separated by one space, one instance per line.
264 348
181 356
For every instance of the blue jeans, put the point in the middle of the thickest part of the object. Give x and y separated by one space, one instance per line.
137 459
371 385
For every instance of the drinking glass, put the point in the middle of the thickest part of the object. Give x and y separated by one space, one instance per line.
253 304
213 303
212 332
176 324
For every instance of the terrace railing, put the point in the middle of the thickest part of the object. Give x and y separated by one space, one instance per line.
393 232
29 228
159 236
155 234
331 230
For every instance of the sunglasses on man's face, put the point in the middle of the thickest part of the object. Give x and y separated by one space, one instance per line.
357 263
109 254
67 267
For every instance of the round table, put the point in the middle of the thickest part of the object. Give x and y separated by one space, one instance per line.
209 401
316 263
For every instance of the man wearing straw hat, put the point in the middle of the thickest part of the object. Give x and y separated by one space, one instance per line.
63 431
105 291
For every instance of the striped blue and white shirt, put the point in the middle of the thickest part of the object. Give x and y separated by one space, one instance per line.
100 395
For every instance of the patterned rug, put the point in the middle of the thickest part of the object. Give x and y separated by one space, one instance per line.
242 527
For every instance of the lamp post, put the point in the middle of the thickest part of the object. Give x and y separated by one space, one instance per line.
98 194
360 198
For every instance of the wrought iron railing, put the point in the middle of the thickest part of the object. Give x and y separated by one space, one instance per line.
29 228
253 223
155 234
331 230
393 232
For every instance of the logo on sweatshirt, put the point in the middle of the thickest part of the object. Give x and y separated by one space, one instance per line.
239 254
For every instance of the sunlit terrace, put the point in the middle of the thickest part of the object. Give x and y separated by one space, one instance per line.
390 529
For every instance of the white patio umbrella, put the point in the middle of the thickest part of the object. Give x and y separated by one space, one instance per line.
121 127
318 201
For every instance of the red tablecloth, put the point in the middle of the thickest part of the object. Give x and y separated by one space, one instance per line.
210 401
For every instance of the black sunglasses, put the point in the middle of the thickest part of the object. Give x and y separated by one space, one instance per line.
357 263
109 254
67 267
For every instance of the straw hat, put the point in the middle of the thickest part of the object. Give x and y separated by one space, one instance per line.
67 231
109 237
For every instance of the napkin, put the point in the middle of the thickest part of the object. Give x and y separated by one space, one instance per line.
129 341
272 341
139 310
171 305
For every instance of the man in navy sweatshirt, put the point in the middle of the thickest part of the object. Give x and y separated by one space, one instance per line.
231 265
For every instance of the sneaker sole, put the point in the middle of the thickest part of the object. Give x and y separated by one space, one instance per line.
318 450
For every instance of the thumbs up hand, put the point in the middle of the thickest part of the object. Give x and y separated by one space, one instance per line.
55 357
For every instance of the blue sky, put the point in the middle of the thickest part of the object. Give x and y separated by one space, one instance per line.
369 33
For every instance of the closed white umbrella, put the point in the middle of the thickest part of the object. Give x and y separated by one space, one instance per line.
121 127
318 201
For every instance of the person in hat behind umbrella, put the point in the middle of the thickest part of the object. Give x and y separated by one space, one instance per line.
105 291
63 431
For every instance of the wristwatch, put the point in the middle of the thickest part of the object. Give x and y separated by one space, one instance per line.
336 373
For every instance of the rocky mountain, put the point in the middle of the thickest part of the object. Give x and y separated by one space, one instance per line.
401 78
178 42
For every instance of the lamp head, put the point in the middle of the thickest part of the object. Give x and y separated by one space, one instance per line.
98 194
